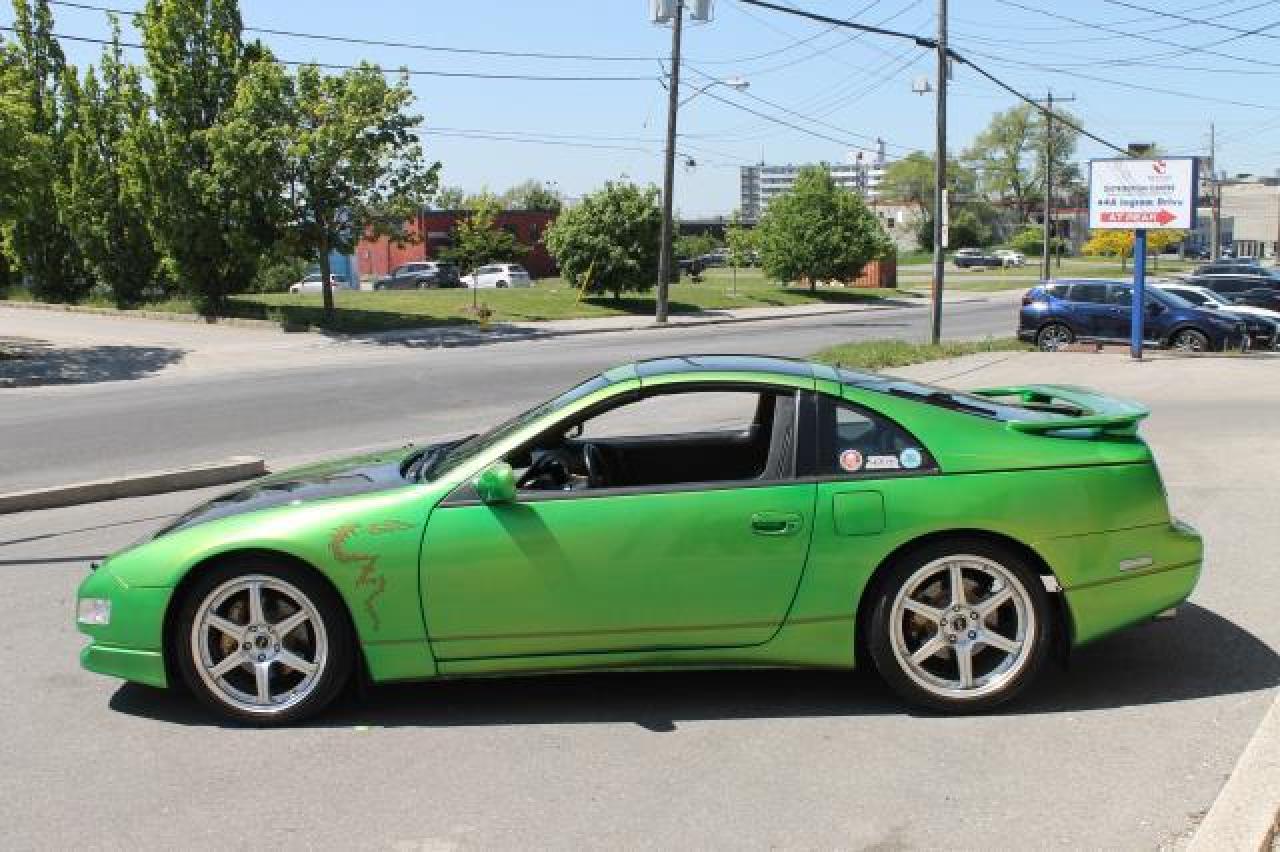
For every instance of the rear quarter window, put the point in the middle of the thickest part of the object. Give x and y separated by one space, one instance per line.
856 442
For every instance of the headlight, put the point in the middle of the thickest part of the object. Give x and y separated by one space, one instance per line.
93 611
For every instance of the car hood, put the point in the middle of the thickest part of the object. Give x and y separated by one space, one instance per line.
343 477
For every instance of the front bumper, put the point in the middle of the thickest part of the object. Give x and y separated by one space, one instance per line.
130 646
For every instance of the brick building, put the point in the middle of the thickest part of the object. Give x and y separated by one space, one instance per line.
432 231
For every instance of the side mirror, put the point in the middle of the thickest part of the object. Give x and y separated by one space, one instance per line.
496 484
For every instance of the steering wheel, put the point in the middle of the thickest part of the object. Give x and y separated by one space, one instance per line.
599 473
548 464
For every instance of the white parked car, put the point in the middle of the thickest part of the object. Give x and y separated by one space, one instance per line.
1009 257
312 284
1204 297
499 275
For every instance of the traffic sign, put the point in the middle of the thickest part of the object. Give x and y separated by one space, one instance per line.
1150 194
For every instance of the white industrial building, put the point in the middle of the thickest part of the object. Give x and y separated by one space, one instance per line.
862 172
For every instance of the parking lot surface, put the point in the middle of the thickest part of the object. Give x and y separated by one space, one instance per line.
1125 748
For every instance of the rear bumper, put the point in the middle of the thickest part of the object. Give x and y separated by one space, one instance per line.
1116 579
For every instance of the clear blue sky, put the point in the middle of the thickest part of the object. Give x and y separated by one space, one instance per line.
848 87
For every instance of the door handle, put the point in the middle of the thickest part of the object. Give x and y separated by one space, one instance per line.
776 523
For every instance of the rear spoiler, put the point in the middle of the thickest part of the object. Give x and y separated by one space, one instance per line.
1103 413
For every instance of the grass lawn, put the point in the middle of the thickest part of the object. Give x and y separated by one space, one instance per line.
549 299
879 354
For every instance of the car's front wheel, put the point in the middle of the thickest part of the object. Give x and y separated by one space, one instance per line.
263 642
1191 340
959 626
1054 337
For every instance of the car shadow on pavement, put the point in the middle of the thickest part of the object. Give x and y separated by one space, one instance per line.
1197 655
27 362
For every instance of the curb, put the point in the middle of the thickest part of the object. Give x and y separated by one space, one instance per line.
1246 815
135 485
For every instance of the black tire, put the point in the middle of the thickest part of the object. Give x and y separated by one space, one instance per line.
1054 336
334 635
922 684
501 284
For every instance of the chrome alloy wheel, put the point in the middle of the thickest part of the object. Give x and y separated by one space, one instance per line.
1190 340
259 644
1054 337
962 627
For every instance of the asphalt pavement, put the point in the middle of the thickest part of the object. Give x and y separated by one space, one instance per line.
143 395
1125 749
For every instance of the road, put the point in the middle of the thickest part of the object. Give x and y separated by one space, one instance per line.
291 397
1122 750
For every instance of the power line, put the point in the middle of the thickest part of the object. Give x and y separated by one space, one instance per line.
1201 21
413 72
933 44
1185 48
370 42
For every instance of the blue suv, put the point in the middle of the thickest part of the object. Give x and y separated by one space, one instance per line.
1058 313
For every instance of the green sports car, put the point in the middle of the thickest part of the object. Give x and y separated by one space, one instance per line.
689 511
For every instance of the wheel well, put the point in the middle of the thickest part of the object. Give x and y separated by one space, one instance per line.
1186 326
1057 603
181 590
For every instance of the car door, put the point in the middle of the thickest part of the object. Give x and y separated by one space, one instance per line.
671 564
1090 311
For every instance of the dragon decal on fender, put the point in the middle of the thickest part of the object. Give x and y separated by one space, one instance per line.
369 575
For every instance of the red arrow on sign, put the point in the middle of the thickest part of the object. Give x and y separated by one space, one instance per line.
1164 217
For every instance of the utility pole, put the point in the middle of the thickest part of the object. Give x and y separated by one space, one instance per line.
669 173
940 214
1045 271
1215 198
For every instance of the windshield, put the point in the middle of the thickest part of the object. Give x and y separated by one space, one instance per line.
477 444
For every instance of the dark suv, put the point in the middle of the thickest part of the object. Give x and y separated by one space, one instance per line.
420 275
1057 313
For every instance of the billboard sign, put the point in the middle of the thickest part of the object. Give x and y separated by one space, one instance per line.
1149 194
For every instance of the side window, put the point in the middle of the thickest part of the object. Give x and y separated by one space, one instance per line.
676 414
1094 293
1058 291
667 440
1122 296
855 442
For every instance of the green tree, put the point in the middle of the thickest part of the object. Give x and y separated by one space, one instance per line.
1008 158
911 180
477 239
819 232
609 242
450 198
214 225
532 195
42 243
1030 241
342 147
742 242
687 246
967 229
101 200
20 152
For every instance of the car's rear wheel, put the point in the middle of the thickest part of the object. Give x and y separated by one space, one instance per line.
1190 340
960 626
263 642
1054 337
502 284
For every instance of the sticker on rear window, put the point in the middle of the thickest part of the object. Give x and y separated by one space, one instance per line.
883 463
911 458
851 461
